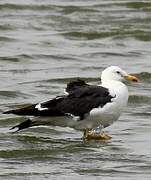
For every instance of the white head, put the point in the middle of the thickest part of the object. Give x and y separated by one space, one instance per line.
117 74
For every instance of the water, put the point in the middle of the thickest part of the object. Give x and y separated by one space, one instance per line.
45 44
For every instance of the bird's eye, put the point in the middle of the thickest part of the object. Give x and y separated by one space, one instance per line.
118 72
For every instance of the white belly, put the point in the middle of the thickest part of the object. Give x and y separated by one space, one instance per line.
99 117
106 115
102 116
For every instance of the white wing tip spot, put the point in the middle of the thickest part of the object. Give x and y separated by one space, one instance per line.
38 106
76 118
65 92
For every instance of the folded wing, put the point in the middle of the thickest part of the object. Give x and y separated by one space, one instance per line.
82 98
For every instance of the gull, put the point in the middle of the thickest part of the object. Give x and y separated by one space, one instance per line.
83 107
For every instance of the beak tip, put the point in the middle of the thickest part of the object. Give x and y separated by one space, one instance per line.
135 80
132 78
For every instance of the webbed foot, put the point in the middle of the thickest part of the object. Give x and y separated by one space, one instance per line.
90 135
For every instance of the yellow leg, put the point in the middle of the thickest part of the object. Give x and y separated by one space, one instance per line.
90 135
86 131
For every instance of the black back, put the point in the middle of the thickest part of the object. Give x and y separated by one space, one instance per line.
82 98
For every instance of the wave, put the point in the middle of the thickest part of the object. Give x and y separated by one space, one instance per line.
139 99
25 7
6 39
145 76
137 34
13 94
15 58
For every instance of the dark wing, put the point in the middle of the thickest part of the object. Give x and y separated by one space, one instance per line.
84 99
33 110
78 103
75 85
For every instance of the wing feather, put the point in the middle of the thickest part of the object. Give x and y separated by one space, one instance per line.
79 102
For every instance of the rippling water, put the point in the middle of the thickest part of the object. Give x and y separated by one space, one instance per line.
45 44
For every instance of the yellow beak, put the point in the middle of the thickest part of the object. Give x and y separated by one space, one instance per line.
131 78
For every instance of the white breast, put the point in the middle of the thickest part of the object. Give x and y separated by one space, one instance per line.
111 111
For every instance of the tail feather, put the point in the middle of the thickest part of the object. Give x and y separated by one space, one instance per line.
23 125
28 110
8 112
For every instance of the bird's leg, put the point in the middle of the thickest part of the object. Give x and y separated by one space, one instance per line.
86 131
93 135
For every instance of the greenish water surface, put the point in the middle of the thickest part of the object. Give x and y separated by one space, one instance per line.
44 45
